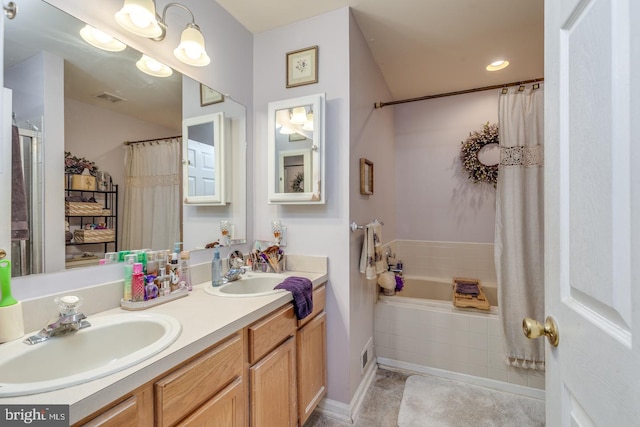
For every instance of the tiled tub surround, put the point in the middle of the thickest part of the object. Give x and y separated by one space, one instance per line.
445 260
434 337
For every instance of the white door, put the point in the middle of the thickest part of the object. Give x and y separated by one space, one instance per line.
202 173
592 211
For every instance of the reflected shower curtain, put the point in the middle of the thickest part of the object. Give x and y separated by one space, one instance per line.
519 234
152 195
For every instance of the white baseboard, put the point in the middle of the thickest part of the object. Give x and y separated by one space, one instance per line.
469 379
349 413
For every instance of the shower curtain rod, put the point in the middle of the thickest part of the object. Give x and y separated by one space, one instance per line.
377 105
151 140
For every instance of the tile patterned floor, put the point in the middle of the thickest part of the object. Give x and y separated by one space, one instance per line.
380 407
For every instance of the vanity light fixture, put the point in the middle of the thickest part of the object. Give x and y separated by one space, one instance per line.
139 17
309 124
97 38
498 65
152 67
286 131
298 115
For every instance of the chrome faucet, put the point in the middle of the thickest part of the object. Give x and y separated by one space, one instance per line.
69 321
235 263
233 274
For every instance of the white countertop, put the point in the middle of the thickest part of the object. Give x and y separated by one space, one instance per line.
205 320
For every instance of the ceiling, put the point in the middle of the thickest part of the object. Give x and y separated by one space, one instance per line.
427 47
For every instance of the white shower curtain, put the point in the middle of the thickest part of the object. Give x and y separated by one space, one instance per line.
152 195
519 234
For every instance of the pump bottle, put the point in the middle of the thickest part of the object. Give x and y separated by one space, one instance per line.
216 268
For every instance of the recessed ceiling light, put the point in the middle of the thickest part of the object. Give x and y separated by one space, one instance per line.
497 65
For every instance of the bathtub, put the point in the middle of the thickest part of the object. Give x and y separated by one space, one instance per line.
419 329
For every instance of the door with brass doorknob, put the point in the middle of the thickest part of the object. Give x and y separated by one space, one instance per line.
592 212
3 253
533 329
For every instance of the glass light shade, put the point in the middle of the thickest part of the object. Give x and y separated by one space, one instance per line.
191 50
139 17
309 124
97 38
286 131
152 67
282 118
298 115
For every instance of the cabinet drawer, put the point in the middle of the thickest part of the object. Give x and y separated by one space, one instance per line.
319 301
182 391
266 334
136 411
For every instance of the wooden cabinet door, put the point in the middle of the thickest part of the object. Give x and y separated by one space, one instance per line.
226 409
136 411
273 388
312 363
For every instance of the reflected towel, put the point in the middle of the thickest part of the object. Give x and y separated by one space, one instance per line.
302 290
19 213
371 262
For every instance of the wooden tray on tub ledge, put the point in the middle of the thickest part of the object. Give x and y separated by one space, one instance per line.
468 293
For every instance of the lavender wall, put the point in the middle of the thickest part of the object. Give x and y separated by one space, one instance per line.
312 229
435 200
371 137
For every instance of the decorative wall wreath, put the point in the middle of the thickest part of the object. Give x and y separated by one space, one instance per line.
479 172
297 185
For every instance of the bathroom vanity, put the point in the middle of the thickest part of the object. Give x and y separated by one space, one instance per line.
238 361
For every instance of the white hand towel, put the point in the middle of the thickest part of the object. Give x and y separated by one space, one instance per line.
371 262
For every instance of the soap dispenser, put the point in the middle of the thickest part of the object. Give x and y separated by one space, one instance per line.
216 268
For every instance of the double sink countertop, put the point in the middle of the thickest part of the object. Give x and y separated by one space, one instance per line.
205 319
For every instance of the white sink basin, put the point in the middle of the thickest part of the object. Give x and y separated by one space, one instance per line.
249 285
110 344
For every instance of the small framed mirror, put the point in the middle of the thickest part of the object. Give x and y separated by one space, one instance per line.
203 160
296 150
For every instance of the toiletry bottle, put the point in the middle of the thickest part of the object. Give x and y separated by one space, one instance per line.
129 260
150 290
137 283
152 263
174 274
185 271
216 268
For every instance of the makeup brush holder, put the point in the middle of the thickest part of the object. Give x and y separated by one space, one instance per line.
266 267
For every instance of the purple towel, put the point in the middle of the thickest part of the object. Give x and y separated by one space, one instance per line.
302 290
467 288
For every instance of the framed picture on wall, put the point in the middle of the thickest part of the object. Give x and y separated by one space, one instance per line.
302 67
209 96
366 177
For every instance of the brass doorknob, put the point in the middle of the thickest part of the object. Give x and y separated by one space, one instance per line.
3 253
534 329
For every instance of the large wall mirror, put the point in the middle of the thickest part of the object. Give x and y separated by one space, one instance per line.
296 150
90 102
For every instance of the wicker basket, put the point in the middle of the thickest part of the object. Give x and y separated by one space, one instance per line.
83 208
468 301
94 236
